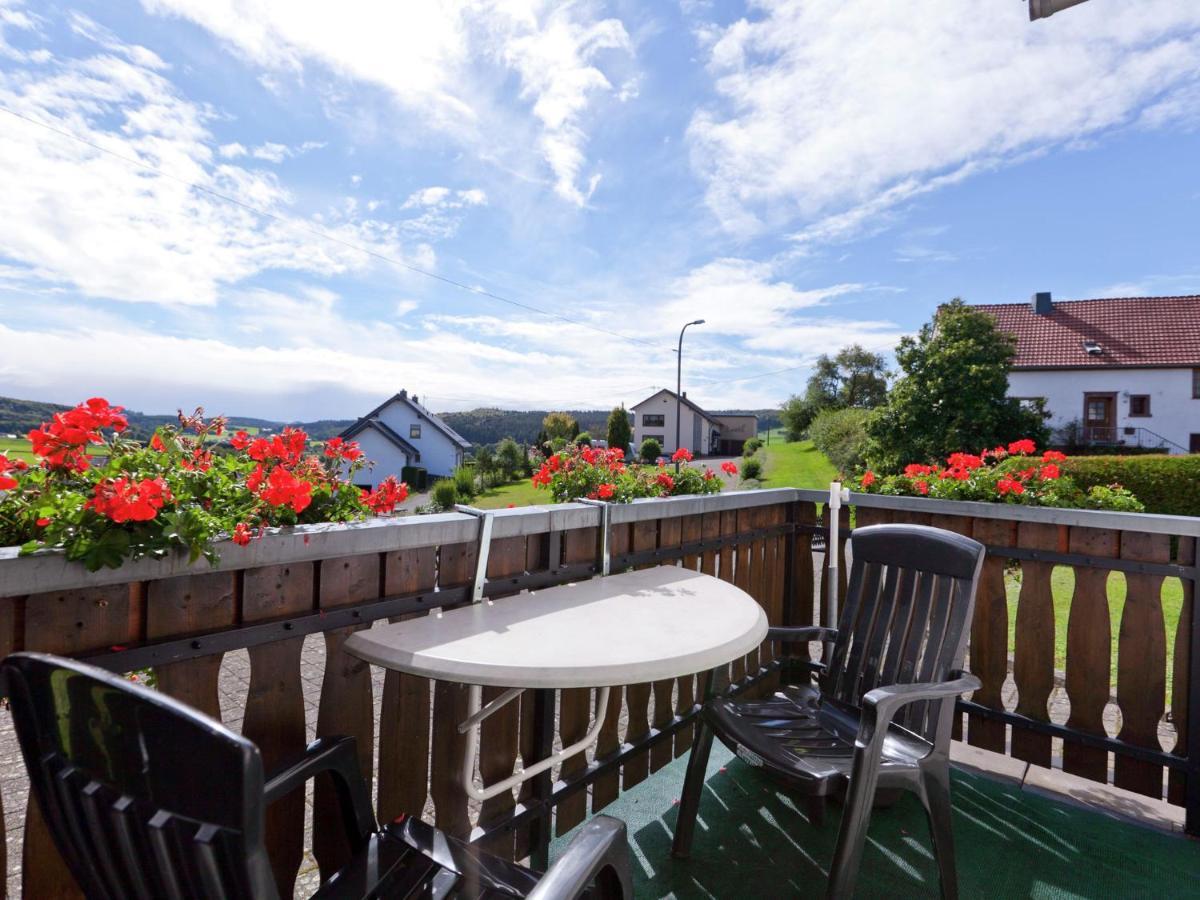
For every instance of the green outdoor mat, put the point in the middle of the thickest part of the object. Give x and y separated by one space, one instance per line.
752 841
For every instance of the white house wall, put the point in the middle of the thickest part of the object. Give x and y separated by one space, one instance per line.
387 457
664 405
1173 412
439 454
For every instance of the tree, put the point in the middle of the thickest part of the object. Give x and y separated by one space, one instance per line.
511 458
485 463
854 379
839 434
619 432
560 425
952 394
584 439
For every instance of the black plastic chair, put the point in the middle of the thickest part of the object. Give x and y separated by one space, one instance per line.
146 797
880 717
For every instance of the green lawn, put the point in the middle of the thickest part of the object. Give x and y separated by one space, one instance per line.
799 464
19 448
1062 586
518 493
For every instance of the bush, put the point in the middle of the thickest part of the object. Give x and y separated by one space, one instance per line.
751 446
603 475
650 450
445 494
842 436
1165 484
464 482
584 439
751 470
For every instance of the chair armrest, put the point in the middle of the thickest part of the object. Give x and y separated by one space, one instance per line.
885 701
801 633
339 757
599 853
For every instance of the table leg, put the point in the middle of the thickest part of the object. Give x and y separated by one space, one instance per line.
541 827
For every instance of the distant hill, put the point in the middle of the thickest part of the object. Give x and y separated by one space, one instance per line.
20 416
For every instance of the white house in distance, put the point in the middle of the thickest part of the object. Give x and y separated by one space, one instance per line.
1127 370
705 434
400 432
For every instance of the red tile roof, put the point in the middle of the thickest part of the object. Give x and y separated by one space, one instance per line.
1131 331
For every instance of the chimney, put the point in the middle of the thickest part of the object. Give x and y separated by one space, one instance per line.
415 400
684 395
1041 303
403 393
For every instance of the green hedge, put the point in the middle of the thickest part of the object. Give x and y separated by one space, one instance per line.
1165 484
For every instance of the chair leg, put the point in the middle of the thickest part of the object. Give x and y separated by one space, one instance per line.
852 835
937 804
693 787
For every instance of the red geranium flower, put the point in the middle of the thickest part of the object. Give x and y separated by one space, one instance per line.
1053 456
285 489
385 498
1049 472
157 444
1009 486
605 491
7 482
922 487
43 522
541 478
123 500
240 440
729 468
912 470
1022 447
966 461
336 448
241 534
868 479
666 481
683 454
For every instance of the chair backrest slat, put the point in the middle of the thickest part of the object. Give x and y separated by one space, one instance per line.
907 611
114 775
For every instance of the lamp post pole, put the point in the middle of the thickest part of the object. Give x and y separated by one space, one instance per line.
679 384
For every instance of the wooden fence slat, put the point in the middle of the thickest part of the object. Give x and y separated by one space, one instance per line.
773 563
456 566
186 605
12 613
803 598
1142 664
274 717
1033 650
1182 671
637 696
988 659
574 705
959 525
405 706
537 559
500 733
69 623
1089 653
691 530
669 535
346 705
607 786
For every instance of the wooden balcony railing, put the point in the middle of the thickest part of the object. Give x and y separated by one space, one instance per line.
180 620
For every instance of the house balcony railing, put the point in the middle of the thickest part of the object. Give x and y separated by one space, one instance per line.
181 620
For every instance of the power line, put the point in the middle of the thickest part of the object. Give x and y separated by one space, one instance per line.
755 377
330 237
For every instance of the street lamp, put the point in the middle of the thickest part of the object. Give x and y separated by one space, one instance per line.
1044 9
679 384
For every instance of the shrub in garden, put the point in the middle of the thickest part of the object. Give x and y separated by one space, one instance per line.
584 439
751 470
604 475
445 493
511 457
650 450
178 490
751 446
1165 484
841 435
618 431
1012 474
464 482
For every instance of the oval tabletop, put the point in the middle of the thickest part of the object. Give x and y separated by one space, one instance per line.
622 629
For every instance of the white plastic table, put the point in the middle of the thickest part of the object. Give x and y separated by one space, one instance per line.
631 628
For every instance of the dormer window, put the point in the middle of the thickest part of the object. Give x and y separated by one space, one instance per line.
1091 348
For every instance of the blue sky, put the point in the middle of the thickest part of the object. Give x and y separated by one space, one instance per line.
801 174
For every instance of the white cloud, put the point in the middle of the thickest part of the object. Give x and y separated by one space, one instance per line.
232 151
437 61
440 210
839 110
111 229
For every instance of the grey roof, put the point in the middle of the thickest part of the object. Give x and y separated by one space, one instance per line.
684 400
425 414
387 431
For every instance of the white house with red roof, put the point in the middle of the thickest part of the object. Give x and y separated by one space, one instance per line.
1125 370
